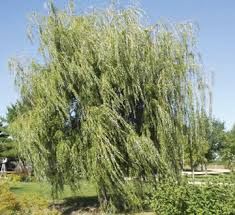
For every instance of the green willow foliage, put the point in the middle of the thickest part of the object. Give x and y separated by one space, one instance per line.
113 98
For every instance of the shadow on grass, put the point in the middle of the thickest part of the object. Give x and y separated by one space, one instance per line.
12 189
78 203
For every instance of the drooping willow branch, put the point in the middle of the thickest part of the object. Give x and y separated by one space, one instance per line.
113 99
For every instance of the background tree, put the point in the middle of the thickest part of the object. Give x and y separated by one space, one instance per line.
217 138
3 137
229 149
8 147
197 144
110 101
210 144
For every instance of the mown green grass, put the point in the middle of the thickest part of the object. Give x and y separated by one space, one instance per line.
87 189
43 189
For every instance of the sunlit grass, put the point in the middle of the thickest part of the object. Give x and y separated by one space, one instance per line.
43 189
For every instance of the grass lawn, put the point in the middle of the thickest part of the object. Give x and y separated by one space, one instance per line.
68 201
43 189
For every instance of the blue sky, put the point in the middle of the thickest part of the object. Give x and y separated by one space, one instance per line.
216 19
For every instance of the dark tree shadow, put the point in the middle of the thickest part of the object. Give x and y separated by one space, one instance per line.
12 189
78 203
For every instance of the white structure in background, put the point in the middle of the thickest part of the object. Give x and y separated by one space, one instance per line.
3 168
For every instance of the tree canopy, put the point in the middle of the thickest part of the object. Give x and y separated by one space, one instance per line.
228 151
8 147
217 139
114 97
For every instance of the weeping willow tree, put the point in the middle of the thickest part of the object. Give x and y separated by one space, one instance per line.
112 98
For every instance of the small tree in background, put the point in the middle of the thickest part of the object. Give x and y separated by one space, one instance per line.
111 100
7 145
216 138
229 149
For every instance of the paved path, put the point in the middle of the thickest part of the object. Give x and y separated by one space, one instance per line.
209 172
